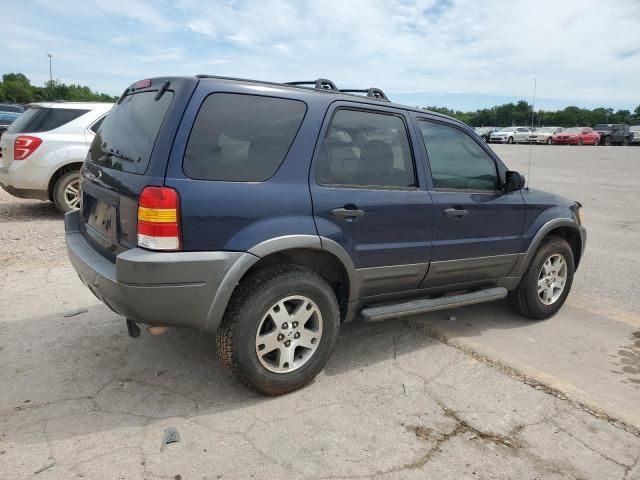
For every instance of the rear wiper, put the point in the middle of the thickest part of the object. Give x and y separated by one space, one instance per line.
164 88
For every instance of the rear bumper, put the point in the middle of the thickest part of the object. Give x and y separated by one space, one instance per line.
23 180
189 289
24 192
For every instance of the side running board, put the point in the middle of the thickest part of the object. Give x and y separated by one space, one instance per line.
432 304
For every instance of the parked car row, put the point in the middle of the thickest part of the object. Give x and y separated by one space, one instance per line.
601 134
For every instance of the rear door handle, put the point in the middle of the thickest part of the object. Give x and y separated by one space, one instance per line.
348 213
456 212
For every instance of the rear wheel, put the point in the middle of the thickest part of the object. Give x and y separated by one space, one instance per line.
607 141
625 142
279 329
579 142
549 141
546 283
66 192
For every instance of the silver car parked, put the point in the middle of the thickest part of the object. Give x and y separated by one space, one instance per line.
544 134
511 135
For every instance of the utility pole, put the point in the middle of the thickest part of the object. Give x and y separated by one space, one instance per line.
50 71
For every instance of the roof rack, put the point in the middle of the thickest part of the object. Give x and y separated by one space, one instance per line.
320 84
371 92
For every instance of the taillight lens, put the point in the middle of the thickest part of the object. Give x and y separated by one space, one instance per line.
24 146
159 219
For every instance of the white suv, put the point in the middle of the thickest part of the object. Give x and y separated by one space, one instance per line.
43 150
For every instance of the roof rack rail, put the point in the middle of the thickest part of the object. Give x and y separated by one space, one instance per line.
371 92
320 84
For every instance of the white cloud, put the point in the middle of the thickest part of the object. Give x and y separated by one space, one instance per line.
578 50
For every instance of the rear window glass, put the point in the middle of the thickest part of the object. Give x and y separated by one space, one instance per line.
241 138
126 137
38 119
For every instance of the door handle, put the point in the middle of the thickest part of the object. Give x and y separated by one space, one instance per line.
348 213
456 212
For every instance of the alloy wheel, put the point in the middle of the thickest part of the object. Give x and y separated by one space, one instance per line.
552 279
289 334
72 194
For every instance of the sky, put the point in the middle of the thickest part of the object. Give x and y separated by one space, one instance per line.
462 54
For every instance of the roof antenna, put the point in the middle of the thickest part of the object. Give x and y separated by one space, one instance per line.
533 109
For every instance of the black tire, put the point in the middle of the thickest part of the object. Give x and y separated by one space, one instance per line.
549 141
510 140
606 142
579 142
236 337
625 142
60 197
525 298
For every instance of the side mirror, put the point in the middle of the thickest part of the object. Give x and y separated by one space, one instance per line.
513 181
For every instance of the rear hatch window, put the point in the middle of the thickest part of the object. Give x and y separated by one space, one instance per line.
125 139
39 119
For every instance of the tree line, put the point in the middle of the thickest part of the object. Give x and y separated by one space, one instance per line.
17 88
511 114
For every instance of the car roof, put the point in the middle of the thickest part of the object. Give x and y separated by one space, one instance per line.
71 105
338 94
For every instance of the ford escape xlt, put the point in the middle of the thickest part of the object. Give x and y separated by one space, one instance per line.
43 150
270 213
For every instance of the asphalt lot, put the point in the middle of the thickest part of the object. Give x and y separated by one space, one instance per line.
471 393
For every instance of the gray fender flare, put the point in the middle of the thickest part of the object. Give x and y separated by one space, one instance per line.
525 258
247 260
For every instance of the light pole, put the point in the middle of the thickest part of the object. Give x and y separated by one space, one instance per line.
50 72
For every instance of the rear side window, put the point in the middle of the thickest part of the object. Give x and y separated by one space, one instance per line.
241 138
366 149
94 128
127 134
38 119
457 161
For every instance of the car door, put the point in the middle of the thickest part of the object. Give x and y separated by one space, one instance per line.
522 135
369 198
478 227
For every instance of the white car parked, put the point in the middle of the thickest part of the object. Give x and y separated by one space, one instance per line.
544 134
43 150
511 135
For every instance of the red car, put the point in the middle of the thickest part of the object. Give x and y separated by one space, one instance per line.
577 136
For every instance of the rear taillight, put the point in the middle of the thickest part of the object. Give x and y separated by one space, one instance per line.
159 219
24 146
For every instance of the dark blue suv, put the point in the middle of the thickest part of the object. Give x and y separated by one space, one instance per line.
270 213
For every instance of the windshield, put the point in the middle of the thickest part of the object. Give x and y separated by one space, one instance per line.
573 130
507 129
602 126
545 130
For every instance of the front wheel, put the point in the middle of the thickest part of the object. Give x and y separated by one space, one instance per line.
549 141
579 142
545 285
607 141
510 140
625 142
279 329
66 192
596 142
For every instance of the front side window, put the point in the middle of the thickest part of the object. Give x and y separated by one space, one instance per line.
366 149
457 161
241 138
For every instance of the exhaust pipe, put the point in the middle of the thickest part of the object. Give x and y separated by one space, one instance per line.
157 330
